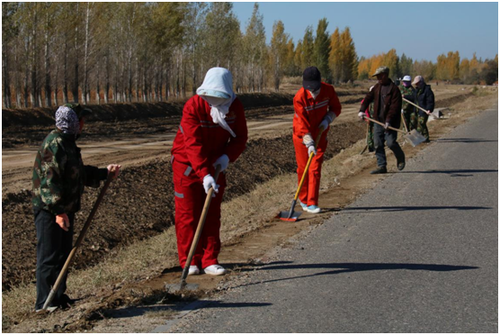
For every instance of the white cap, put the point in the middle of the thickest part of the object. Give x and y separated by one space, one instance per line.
406 78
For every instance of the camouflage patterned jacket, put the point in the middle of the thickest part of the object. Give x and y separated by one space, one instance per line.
59 175
408 93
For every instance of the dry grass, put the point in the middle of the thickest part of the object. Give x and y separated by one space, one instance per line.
243 214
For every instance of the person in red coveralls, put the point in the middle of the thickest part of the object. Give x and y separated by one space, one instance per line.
213 131
316 106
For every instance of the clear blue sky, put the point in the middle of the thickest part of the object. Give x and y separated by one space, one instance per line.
421 30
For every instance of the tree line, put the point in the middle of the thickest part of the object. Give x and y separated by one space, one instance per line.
85 52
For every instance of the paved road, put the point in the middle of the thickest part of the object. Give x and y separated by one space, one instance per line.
419 253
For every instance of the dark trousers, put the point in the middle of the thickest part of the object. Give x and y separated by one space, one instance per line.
52 249
380 137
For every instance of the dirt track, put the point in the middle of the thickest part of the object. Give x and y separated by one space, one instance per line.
146 178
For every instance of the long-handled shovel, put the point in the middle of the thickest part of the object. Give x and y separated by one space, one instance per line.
414 137
367 131
435 113
292 216
183 285
404 121
78 242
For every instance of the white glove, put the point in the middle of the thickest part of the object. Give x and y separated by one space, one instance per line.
386 126
223 161
311 149
361 115
209 182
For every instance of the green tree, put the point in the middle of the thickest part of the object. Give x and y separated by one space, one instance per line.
489 73
254 46
194 21
307 57
405 66
9 33
222 31
322 49
278 53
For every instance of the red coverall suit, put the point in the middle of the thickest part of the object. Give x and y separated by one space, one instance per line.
309 113
197 145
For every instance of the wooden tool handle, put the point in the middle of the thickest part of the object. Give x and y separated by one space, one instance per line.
318 138
78 242
411 103
199 229
383 125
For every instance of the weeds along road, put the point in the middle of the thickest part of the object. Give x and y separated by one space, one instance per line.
418 253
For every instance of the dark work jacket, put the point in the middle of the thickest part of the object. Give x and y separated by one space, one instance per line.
424 98
392 110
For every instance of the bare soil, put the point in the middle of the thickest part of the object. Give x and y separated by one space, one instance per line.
139 204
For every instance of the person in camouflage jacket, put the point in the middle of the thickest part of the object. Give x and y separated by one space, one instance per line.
409 112
59 178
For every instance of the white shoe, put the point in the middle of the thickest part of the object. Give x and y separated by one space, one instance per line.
215 270
313 209
193 270
304 206
50 309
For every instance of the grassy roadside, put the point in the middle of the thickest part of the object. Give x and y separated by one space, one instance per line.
245 213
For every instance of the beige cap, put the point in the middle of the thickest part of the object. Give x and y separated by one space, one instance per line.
382 69
417 80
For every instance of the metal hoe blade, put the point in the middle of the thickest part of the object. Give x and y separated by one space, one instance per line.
179 288
414 137
285 216
436 114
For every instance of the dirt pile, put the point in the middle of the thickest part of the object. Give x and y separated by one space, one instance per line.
140 203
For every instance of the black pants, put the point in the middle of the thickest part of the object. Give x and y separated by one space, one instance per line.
52 249
380 137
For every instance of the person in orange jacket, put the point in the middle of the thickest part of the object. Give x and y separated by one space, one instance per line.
212 132
316 106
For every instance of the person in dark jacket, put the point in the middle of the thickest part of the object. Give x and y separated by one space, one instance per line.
424 97
387 102
59 177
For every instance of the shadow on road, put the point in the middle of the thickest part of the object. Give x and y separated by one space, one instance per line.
356 267
464 140
455 173
413 208
169 310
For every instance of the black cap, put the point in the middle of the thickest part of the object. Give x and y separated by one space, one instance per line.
79 109
311 79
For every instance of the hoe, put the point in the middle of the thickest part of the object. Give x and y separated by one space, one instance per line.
78 242
178 288
292 216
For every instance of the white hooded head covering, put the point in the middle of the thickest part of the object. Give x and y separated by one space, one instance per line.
218 83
